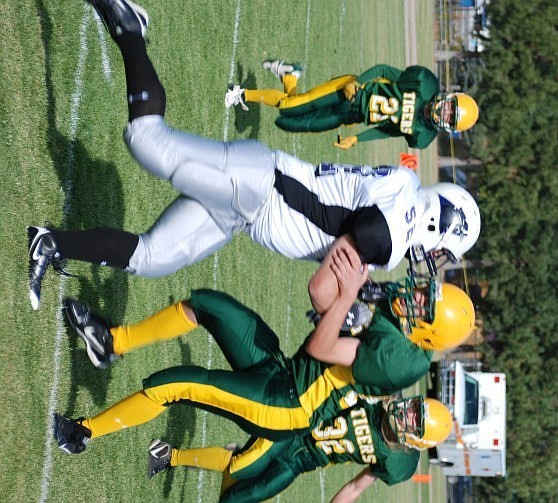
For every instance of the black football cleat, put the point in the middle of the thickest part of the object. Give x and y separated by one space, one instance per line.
42 252
121 16
70 435
159 458
93 330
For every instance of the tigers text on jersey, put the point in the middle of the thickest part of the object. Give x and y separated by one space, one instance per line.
305 213
355 436
393 102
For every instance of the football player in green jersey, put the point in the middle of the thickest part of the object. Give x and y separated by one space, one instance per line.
385 435
391 102
266 393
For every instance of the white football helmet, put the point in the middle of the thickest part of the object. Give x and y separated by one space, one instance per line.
450 224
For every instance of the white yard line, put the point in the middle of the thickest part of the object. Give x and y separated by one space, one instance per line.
210 342
411 52
60 327
231 68
102 35
295 142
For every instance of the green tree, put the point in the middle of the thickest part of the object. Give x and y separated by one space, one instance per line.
517 140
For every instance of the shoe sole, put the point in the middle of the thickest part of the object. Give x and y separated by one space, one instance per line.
268 66
88 338
32 241
138 11
156 445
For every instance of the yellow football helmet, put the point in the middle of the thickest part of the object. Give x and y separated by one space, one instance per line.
445 321
463 112
419 423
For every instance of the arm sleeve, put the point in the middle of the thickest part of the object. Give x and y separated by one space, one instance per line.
389 72
420 79
371 235
422 139
378 133
398 467
386 360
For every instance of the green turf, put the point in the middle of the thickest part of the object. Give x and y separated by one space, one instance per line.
64 162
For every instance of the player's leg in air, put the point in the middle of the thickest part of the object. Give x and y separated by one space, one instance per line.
243 337
319 109
287 73
257 471
127 24
257 394
211 207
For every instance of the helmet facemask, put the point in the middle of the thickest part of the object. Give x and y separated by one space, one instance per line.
443 114
413 300
454 112
406 419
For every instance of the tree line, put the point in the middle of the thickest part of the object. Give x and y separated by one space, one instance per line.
517 141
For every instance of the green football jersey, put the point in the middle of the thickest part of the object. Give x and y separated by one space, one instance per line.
355 436
392 103
386 362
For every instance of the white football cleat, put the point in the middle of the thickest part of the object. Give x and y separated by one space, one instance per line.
279 68
235 96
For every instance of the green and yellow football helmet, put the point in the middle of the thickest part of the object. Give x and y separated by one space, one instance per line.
419 423
439 322
454 112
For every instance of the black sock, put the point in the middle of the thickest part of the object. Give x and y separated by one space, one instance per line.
145 93
102 245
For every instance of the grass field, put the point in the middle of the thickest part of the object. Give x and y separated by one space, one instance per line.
64 162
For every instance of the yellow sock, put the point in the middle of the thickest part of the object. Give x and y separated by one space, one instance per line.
131 411
168 323
210 458
289 84
270 97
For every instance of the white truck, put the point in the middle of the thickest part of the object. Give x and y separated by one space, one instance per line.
477 400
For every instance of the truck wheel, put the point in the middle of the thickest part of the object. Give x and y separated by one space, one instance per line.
439 462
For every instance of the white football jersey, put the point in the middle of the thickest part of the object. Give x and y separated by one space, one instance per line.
307 211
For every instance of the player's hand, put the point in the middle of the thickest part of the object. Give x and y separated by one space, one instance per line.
350 90
345 143
349 270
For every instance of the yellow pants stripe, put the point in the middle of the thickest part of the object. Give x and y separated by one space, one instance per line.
335 377
264 416
332 86
251 455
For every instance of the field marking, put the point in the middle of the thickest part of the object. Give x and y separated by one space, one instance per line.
296 146
231 68
101 34
410 32
60 327
322 483
411 55
307 33
210 341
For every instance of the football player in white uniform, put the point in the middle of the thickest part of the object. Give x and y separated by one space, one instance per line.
283 203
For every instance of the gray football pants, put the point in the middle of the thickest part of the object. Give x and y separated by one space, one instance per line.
222 187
